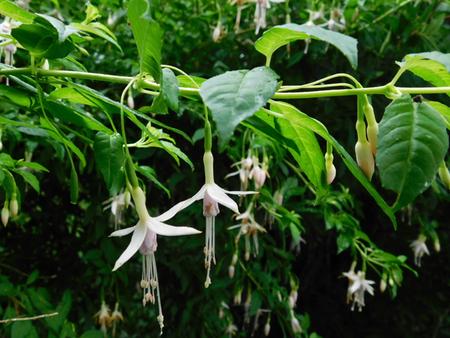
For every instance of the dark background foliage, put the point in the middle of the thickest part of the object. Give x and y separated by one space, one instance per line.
55 248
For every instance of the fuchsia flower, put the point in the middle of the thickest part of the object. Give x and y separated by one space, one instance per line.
144 239
212 196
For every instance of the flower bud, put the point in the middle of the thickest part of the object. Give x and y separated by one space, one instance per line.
258 174
130 101
364 158
217 32
437 244
383 283
372 127
234 259
238 298
231 271
14 207
296 328
46 65
127 198
444 175
267 329
5 215
330 168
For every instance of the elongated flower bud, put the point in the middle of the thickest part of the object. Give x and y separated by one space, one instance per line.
231 271
5 215
383 282
330 168
444 175
364 158
267 329
14 207
372 127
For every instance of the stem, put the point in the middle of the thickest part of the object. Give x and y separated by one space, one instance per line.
378 90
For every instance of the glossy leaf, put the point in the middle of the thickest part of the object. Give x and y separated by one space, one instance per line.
148 36
441 109
237 95
412 143
96 28
29 178
279 36
110 159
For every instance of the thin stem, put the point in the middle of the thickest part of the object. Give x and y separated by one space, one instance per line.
324 79
5 321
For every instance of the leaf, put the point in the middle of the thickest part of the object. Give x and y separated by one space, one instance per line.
110 159
98 29
148 36
309 156
413 142
92 334
9 9
441 109
151 175
296 117
432 67
31 165
16 96
74 187
23 329
237 95
29 178
41 38
279 36
169 89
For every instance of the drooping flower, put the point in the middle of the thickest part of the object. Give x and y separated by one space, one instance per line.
212 196
118 204
248 228
357 286
103 317
419 248
245 167
144 239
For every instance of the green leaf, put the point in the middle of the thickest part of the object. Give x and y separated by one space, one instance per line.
441 109
279 36
18 97
31 165
237 95
43 38
296 117
98 29
169 89
151 175
23 329
110 158
433 67
309 156
74 187
92 334
29 178
9 9
413 142
7 161
148 36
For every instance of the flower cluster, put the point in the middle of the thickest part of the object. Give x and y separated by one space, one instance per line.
357 286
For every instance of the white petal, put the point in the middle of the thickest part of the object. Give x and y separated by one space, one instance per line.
239 192
122 232
170 230
181 205
135 243
218 194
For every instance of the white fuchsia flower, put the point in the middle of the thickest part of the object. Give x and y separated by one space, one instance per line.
144 239
245 166
357 286
212 196
419 248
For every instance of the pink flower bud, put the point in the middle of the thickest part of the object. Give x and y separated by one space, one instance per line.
364 158
231 271
296 328
258 175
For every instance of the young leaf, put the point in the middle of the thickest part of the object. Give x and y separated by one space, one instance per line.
237 95
279 36
413 142
148 36
110 158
